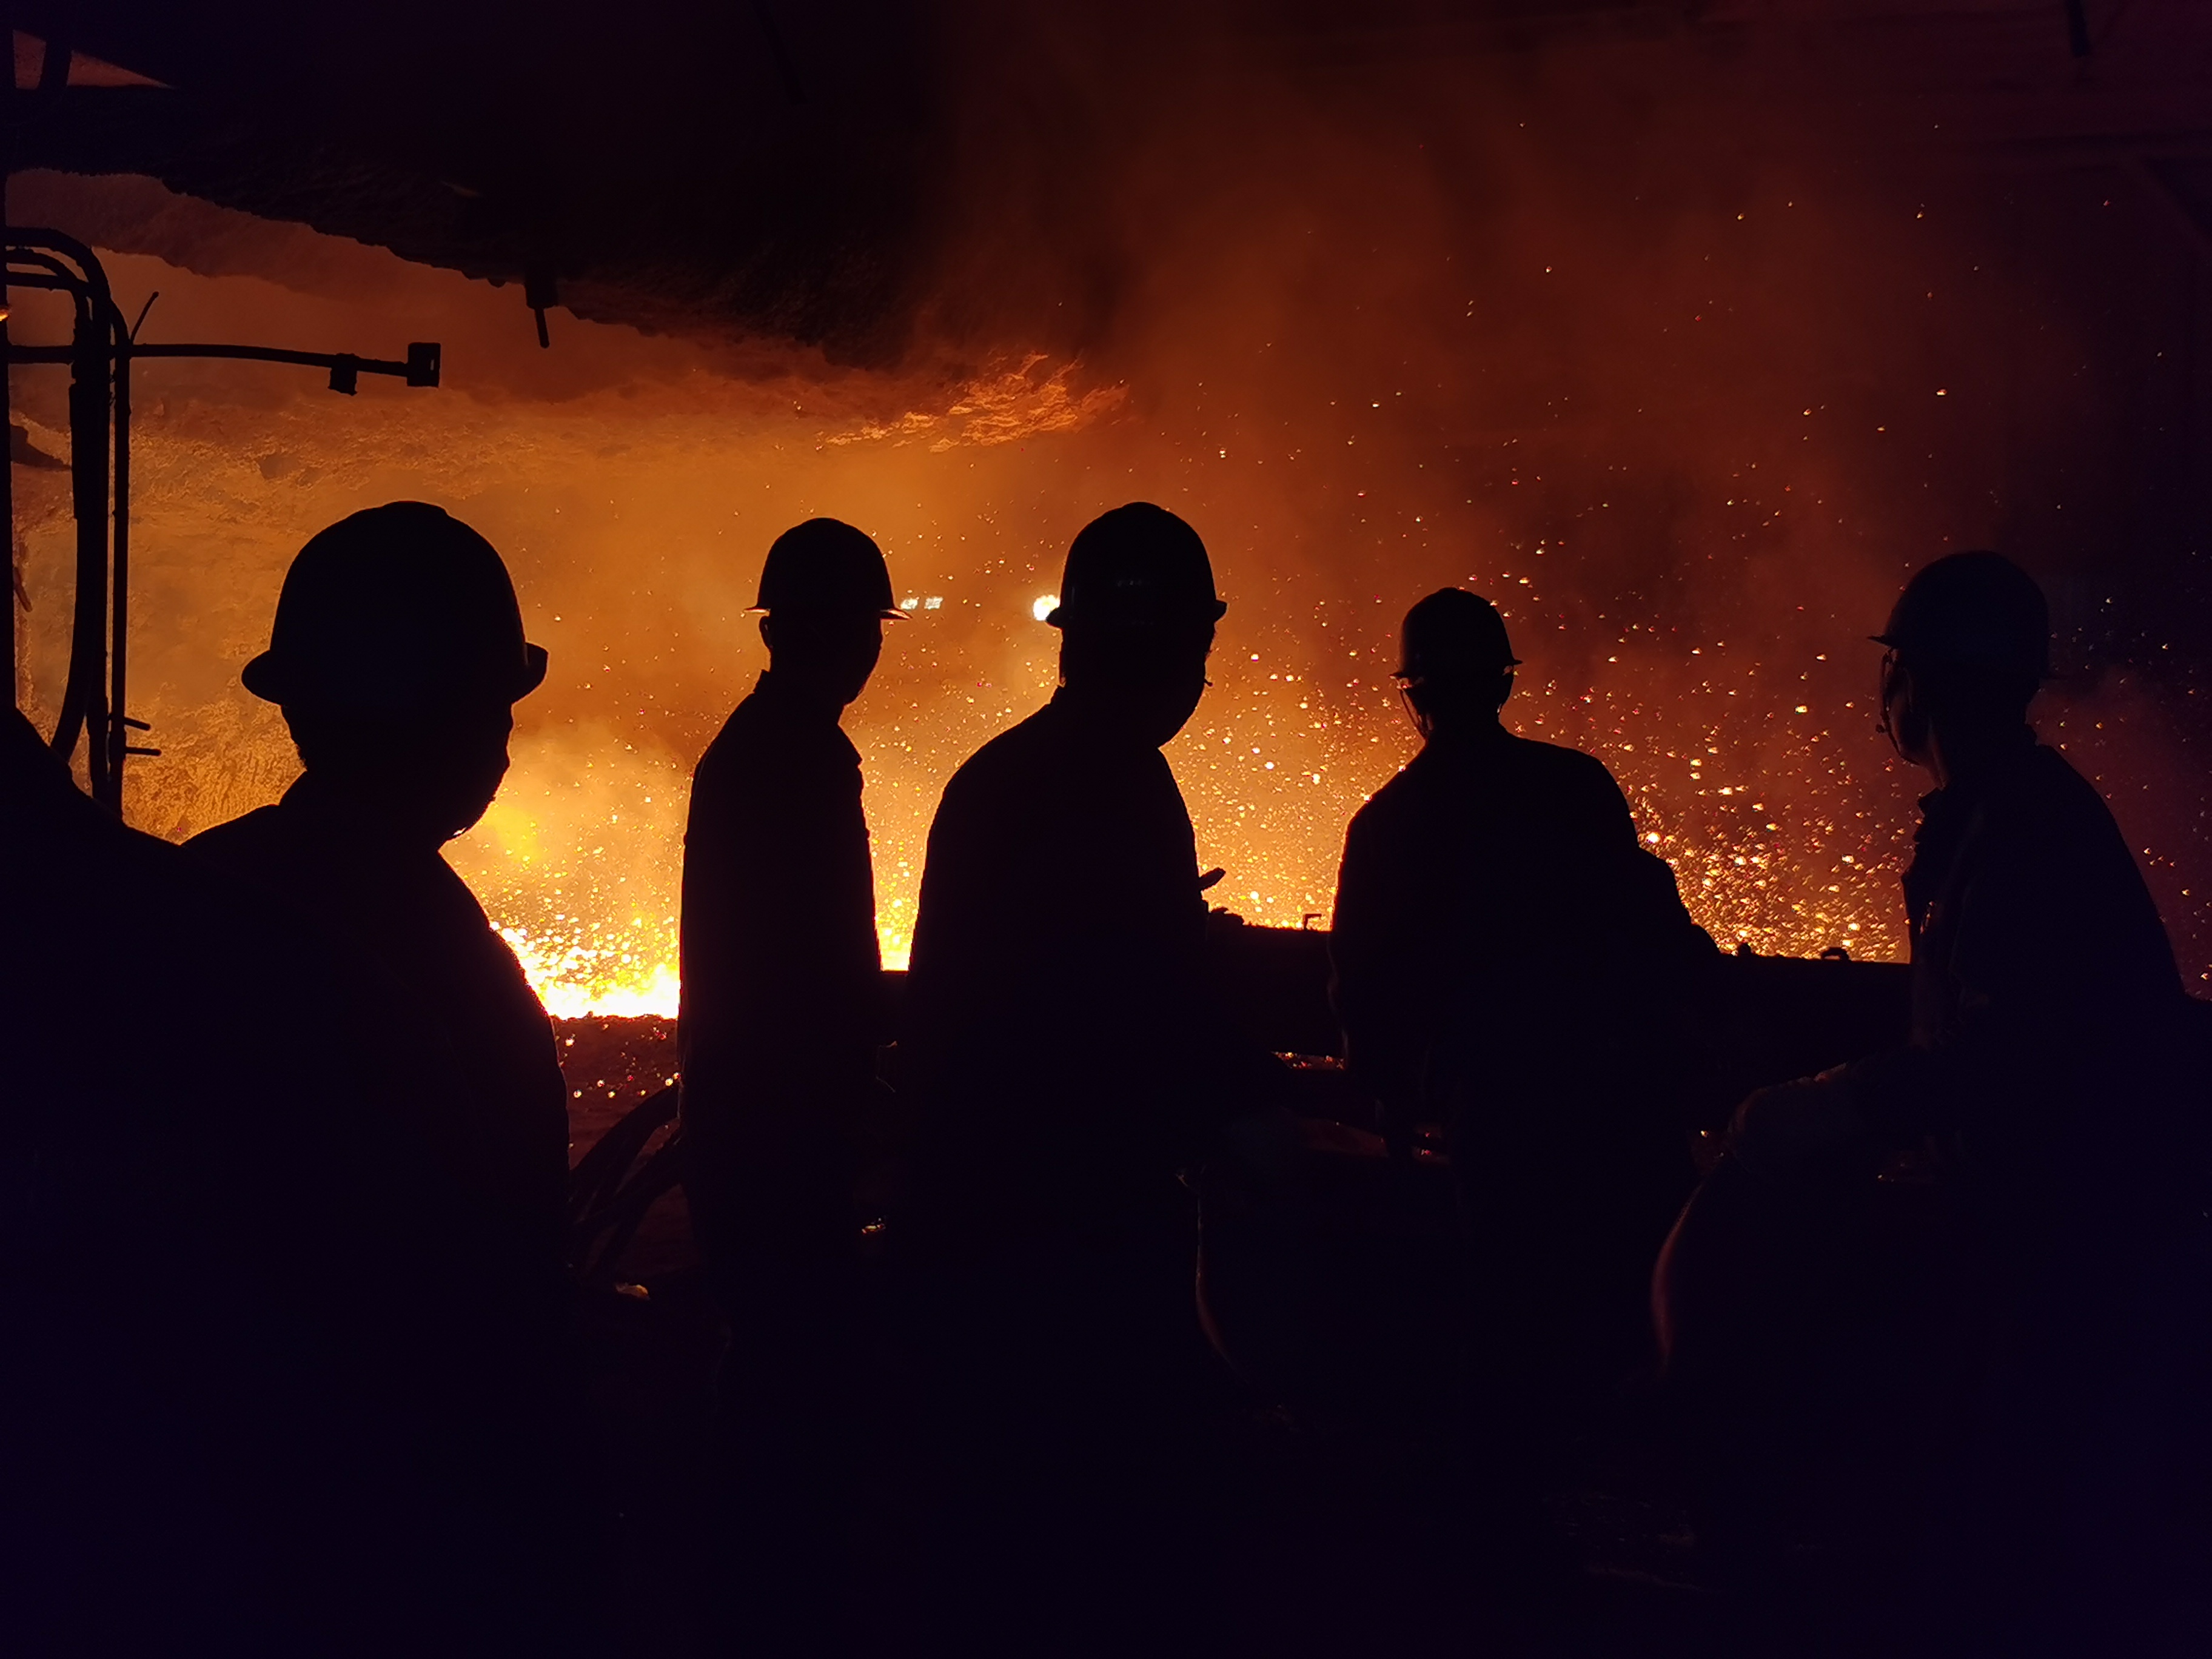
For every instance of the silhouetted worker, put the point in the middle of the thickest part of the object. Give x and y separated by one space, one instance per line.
1069 1061
2044 1085
1505 953
1494 905
215 1259
163 1408
396 655
1057 1012
783 1012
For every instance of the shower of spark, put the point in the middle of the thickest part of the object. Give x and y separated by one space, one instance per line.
1689 423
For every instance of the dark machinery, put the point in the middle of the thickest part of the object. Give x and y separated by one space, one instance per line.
1765 1020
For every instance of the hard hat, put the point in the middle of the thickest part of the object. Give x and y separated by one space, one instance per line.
825 564
1137 566
1976 609
1453 632
397 607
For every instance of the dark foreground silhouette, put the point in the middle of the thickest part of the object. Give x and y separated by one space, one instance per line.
2000 1330
178 1377
230 1285
396 655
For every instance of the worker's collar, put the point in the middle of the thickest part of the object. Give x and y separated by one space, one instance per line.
340 816
1986 771
1480 734
1946 812
1100 721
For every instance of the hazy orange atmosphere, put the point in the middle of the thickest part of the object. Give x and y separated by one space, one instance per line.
1687 378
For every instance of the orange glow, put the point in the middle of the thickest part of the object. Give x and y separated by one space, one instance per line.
1689 567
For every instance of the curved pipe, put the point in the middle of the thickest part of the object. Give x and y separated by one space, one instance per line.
98 340
100 355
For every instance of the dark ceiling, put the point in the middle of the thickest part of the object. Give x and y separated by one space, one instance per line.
665 162
793 166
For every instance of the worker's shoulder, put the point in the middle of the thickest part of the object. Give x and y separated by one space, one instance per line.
1522 766
2050 779
1041 778
761 739
1564 779
2048 801
1396 794
1401 808
749 731
1556 761
246 844
1027 747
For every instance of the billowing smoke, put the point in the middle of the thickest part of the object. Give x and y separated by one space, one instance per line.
1686 370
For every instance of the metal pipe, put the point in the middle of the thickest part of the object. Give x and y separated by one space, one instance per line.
7 405
100 355
84 696
420 367
119 647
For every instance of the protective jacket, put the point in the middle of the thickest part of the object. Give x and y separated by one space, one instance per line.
1498 931
464 1331
461 1051
783 1006
1056 1010
2048 1016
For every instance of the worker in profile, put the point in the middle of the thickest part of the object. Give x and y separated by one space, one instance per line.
783 1012
1069 1063
1505 951
2045 1092
397 656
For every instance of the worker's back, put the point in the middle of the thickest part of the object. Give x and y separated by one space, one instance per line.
1507 963
1055 1004
1497 925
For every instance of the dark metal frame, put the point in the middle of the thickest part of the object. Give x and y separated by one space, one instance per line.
99 356
609 1189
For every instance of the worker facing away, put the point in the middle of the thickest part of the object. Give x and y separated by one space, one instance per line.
1505 953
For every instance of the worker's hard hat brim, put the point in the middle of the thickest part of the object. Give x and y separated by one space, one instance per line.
1212 612
1406 671
273 678
880 616
264 676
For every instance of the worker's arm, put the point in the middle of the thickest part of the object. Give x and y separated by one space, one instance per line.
1383 1000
